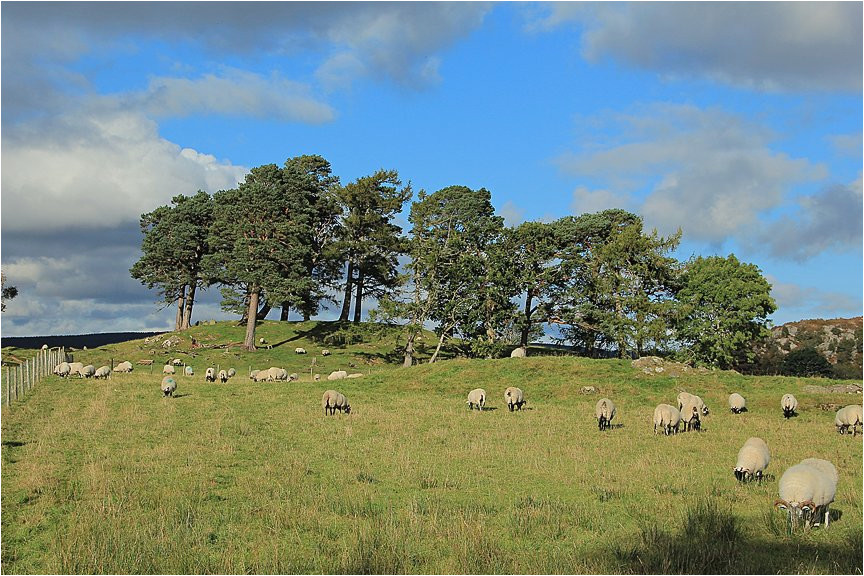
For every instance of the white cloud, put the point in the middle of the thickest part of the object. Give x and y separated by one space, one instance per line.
797 46
587 201
798 301
513 215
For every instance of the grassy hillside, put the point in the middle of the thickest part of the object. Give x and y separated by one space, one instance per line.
108 477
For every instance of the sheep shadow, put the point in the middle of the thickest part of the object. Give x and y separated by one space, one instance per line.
13 443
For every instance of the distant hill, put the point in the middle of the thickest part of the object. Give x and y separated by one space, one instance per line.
75 340
839 340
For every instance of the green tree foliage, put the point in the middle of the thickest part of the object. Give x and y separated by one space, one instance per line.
9 292
261 236
806 362
174 246
369 242
724 305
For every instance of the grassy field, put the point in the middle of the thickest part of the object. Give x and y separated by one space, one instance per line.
109 477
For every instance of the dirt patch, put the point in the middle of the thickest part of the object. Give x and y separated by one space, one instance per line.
834 389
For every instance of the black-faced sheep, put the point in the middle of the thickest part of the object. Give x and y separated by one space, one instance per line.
789 404
604 411
169 385
667 418
476 397
332 401
737 404
848 416
753 458
807 490
514 397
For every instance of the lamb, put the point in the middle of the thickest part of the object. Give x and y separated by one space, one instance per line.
210 375
807 490
789 404
293 376
223 376
514 398
753 458
189 371
325 352
123 367
62 369
690 413
737 404
177 362
231 372
168 369
604 411
476 397
520 352
332 401
337 375
102 372
684 396
848 416
667 418
300 351
169 385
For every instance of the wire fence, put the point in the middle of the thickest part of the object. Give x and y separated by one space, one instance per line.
20 380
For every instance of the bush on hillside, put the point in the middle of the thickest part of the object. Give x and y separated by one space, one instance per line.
806 362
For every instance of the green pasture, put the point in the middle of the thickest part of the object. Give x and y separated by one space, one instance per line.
109 477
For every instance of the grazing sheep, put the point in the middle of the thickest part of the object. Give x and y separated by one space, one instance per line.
123 367
789 404
696 400
325 352
514 398
278 373
293 376
317 377
807 490
102 372
337 375
177 362
520 352
223 376
332 401
62 369
737 404
604 411
848 416
169 385
476 397
189 371
87 371
253 373
168 369
588 390
262 341
299 350
231 372
75 368
753 458
210 375
690 413
261 376
667 418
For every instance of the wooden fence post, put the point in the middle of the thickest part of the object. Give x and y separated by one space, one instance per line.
8 389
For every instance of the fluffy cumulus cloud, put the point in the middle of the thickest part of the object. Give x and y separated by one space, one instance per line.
798 301
774 46
587 201
711 173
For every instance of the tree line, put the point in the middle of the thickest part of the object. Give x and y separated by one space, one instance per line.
295 238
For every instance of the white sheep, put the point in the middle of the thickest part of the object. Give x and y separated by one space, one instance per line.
231 372
168 369
87 371
210 375
261 376
807 490
519 352
332 401
300 351
125 366
514 397
476 397
848 416
753 458
75 369
789 404
169 385
177 362
325 352
62 369
277 373
697 401
604 411
737 403
293 377
337 375
667 418
102 372
253 374
690 413
189 371
223 376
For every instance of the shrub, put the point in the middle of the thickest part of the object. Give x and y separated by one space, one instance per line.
806 362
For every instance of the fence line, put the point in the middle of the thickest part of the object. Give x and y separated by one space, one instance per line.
21 379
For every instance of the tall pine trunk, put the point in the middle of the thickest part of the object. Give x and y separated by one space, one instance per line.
252 318
346 302
181 302
187 309
358 299
526 328
286 309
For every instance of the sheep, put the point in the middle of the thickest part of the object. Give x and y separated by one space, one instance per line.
848 416
587 390
325 352
168 369
514 398
807 490
278 373
300 351
210 375
753 458
253 374
317 377
789 404
684 396
102 372
223 376
667 418
177 362
262 341
737 403
87 371
337 375
355 375
261 376
604 411
476 397
123 367
293 376
332 401
189 371
690 413
62 369
231 372
169 385
75 368
519 352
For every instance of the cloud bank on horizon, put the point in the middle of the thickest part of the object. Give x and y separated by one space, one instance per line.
738 122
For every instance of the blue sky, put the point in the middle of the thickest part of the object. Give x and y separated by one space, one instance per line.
739 122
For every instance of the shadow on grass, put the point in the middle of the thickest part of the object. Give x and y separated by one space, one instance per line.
13 443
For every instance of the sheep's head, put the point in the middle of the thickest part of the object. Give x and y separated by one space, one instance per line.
741 474
705 410
347 408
